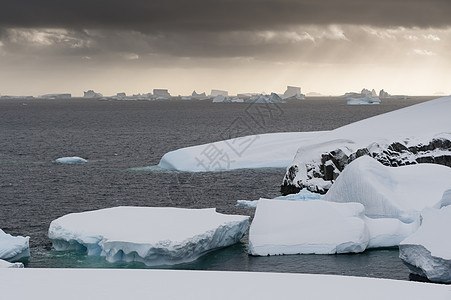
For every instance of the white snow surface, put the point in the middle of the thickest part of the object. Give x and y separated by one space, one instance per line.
395 192
307 227
71 160
6 264
77 284
363 101
415 124
152 235
271 150
13 247
427 252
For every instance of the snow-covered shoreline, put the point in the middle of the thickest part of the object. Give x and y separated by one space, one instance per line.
169 284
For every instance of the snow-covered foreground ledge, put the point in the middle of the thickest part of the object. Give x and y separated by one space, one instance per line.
271 150
169 284
416 134
151 235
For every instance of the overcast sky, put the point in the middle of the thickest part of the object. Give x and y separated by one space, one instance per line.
134 46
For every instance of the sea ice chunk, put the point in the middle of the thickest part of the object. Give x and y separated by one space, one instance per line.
396 192
363 101
152 235
427 252
13 247
71 160
306 227
6 264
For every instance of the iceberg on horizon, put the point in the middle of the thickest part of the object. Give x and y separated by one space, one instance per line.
13 248
151 235
363 101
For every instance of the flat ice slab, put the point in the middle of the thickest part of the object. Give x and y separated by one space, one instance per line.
152 235
77 284
271 150
307 227
427 252
13 247
71 160
395 192
363 101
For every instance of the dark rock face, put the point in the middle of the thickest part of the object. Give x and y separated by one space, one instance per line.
437 151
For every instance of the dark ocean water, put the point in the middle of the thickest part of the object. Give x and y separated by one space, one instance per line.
118 135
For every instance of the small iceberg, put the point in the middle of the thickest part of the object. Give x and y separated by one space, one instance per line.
427 252
6 264
307 227
151 235
363 101
71 160
13 248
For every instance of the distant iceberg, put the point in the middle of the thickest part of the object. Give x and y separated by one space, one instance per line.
71 160
273 98
13 248
151 235
363 101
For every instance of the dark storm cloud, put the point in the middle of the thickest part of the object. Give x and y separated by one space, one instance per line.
220 15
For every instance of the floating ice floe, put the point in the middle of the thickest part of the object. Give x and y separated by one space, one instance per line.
363 101
6 264
395 192
318 227
122 284
71 160
13 247
321 227
415 134
272 150
154 236
427 252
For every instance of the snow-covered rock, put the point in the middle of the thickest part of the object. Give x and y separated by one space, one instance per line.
415 134
119 284
363 101
427 252
154 236
396 192
71 160
306 227
272 150
13 247
6 264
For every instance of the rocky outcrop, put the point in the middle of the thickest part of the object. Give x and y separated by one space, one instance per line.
321 175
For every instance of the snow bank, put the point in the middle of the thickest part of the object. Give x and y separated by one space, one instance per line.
363 101
154 236
318 227
77 284
5 264
428 251
400 192
410 133
272 150
13 247
71 160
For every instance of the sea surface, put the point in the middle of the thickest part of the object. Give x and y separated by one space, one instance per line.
118 136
